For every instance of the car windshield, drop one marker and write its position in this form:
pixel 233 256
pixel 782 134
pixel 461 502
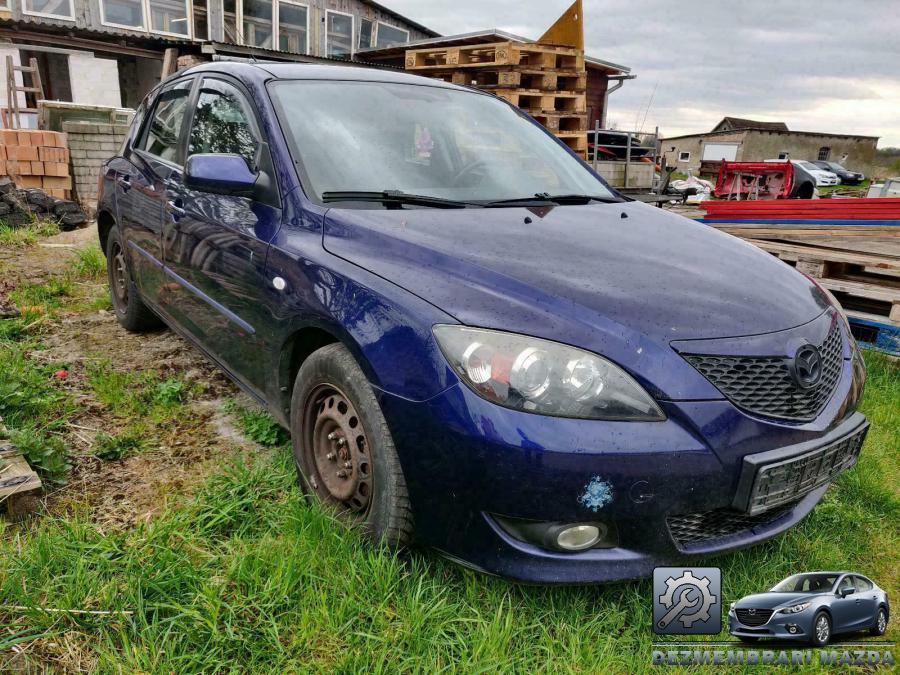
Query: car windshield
pixel 351 136
pixel 811 166
pixel 819 582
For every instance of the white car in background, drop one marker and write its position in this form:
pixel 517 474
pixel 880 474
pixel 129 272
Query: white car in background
pixel 823 178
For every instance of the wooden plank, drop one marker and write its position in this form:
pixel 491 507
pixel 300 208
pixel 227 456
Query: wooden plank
pixel 863 289
pixel 19 484
pixel 800 252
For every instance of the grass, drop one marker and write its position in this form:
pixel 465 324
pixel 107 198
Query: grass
pixel 825 189
pixel 27 234
pixel 247 577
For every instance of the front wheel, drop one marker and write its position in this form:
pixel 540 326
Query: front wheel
pixel 880 622
pixel 821 632
pixel 343 449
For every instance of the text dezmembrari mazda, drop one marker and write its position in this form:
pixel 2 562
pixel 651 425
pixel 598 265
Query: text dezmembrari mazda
pixel 475 342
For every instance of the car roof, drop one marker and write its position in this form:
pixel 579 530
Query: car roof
pixel 315 71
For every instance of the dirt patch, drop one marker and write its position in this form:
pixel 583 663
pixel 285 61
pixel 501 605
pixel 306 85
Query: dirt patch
pixel 169 466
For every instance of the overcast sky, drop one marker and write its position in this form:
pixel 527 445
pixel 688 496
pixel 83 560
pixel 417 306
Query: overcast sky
pixel 831 65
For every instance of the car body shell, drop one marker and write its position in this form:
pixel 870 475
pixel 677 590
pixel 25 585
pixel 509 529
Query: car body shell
pixel 608 278
pixel 854 612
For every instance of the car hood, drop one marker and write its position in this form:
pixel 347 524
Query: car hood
pixel 624 267
pixel 774 600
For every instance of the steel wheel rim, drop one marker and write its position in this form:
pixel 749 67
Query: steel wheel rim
pixel 822 629
pixel 882 621
pixel 119 276
pixel 337 452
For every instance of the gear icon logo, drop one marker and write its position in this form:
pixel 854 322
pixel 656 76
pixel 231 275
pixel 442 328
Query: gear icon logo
pixel 687 601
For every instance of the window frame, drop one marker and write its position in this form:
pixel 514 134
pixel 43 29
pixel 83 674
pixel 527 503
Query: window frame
pixel 45 15
pixel 827 151
pixel 383 23
pixel 352 32
pixel 272 195
pixel 681 155
pixel 194 35
pixel 276 23
pixel 372 23
pixel 139 142
pixel 112 24
pixel 147 20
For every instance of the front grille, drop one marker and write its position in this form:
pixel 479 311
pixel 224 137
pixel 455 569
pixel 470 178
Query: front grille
pixel 757 618
pixel 695 528
pixel 763 385
pixel 781 482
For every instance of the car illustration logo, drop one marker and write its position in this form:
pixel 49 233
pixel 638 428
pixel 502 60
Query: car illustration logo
pixel 751 611
pixel 807 366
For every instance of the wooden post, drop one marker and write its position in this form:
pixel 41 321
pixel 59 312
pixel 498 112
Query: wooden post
pixel 170 62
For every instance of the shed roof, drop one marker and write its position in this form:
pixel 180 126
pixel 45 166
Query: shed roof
pixel 477 37
pixel 736 123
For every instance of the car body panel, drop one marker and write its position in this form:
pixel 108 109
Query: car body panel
pixel 254 283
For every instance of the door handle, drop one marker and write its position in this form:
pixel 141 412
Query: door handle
pixel 175 207
pixel 124 182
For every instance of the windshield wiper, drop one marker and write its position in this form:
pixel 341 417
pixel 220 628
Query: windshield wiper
pixel 544 197
pixel 394 198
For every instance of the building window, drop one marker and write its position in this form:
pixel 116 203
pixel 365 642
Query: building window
pixel 684 156
pixel 201 20
pixel 124 13
pixel 229 11
pixel 338 34
pixel 293 27
pixel 823 154
pixel 784 155
pixel 365 33
pixel 257 26
pixel 56 9
pixel 388 36
pixel 169 17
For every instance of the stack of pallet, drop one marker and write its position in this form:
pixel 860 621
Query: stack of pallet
pixel 546 81
pixel 36 159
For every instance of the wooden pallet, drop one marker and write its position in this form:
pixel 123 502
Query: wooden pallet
pixel 576 142
pixel 544 57
pixel 562 123
pixel 533 100
pixel 20 486
pixel 513 77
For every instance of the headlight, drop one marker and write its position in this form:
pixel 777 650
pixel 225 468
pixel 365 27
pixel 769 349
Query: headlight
pixel 795 608
pixel 543 377
pixel 732 607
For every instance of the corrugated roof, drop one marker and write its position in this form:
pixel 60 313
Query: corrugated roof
pixel 737 123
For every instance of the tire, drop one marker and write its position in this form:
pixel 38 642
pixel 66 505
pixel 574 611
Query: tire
pixel 819 638
pixel 343 450
pixel 881 619
pixel 130 310
pixel 749 640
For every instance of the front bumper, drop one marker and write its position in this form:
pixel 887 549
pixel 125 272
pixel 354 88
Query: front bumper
pixel 779 626
pixel 465 459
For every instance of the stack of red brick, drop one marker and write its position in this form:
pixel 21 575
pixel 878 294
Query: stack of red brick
pixel 36 159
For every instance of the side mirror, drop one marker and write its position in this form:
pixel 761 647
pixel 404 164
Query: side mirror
pixel 847 590
pixel 220 174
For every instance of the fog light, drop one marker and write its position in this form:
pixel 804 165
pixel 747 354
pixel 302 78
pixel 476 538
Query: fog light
pixel 578 537
pixel 792 629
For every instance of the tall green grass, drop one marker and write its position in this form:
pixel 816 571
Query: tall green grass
pixel 247 577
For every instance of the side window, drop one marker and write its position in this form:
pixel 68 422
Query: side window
pixel 222 123
pixel 163 133
pixel 863 584
pixel 846 582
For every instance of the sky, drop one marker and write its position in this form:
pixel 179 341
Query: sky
pixel 829 66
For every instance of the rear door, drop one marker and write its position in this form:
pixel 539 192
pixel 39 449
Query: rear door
pixel 215 245
pixel 151 163
pixel 867 601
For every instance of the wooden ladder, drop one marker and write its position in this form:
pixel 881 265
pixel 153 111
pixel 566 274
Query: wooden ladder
pixel 13 111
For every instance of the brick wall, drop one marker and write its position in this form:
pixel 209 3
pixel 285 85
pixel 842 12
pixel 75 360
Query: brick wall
pixel 90 145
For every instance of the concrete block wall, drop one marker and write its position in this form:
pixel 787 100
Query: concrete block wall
pixel 90 145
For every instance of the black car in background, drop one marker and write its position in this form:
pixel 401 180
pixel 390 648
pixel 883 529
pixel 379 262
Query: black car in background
pixel 847 177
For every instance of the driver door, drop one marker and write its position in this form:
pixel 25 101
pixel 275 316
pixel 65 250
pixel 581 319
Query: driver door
pixel 844 610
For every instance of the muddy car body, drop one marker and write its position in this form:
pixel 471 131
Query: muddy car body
pixel 494 355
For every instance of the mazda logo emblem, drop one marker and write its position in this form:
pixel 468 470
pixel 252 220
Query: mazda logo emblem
pixel 807 366
pixel 751 611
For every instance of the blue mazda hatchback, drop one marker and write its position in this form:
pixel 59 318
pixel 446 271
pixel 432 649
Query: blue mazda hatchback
pixel 476 343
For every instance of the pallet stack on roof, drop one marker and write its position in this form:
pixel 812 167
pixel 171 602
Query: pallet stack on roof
pixel 547 81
